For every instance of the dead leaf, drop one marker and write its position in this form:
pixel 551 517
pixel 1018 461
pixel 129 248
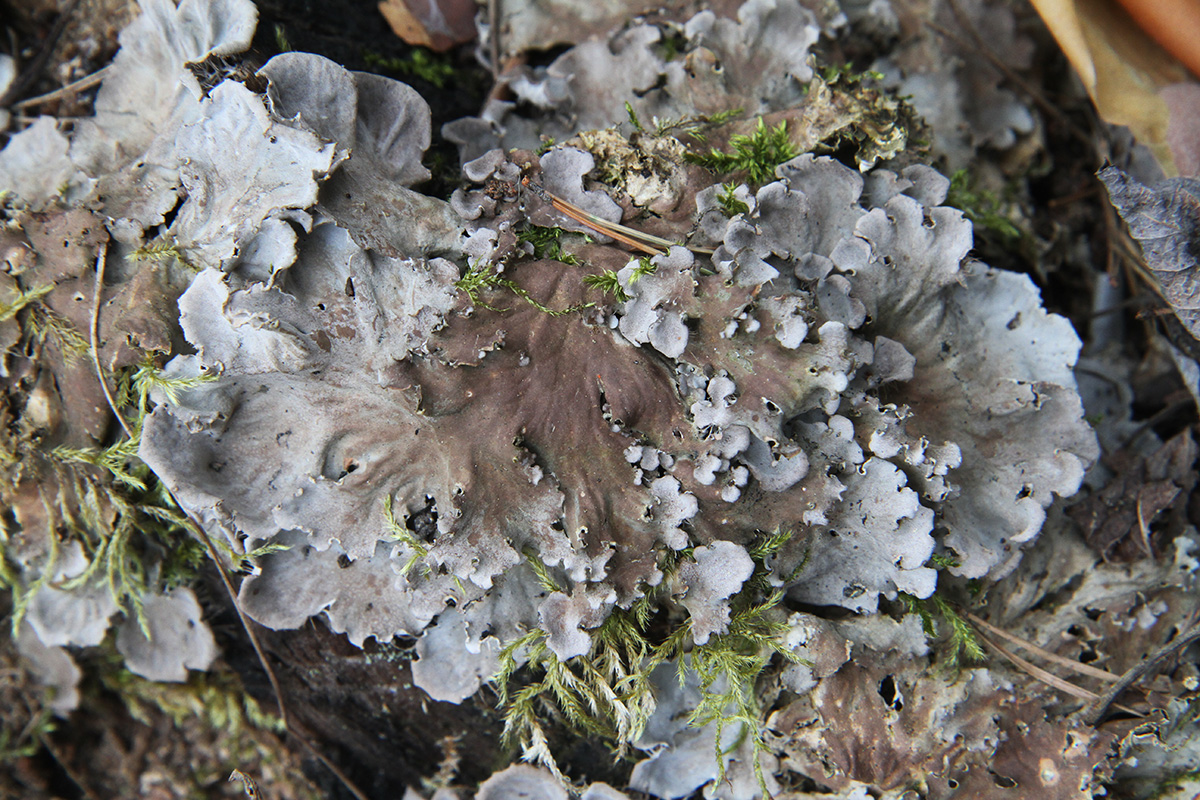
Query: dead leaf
pixel 1123 69
pixel 1143 487
pixel 1165 219
pixel 436 24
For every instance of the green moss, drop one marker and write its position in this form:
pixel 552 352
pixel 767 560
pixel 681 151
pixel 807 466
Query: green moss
pixel 422 63
pixel 26 720
pixel 609 283
pixel 166 249
pixel 756 155
pixel 123 523
pixel 398 531
pixel 941 621
pixel 983 208
pixel 608 692
pixel 217 698
pixel 482 276
pixel 547 243
pixel 729 201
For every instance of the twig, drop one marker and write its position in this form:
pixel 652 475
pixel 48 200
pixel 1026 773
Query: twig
pixel 1082 669
pixel 81 85
pixel 1099 707
pixel 94 335
pixel 1144 530
pixel 494 44
pixel 646 242
pixel 262 656
pixel 62 762
pixel 1048 678
pixel 38 62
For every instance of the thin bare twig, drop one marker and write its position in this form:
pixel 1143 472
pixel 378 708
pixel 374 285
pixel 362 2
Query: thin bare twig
pixel 1048 678
pixel 1036 672
pixel 639 240
pixel 1082 669
pixel 94 336
pixel 1099 707
pixel 494 44
pixel 81 85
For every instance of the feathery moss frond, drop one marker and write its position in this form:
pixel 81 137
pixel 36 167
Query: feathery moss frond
pixel 542 572
pixel 547 243
pixel 609 283
pixel 10 309
pixel 757 154
pixel 116 519
pixel 401 533
pixel 608 692
pixel 962 645
pixel 729 202
pixel 645 267
pixel 481 276
pixel 159 252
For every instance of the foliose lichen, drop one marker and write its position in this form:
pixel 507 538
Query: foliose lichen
pixel 453 437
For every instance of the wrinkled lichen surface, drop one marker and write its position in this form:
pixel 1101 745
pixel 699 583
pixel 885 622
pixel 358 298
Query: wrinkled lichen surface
pixel 443 432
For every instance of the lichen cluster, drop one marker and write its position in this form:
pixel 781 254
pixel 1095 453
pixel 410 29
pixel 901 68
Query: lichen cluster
pixel 519 446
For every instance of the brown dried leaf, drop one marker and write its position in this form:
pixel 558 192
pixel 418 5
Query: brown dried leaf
pixel 1141 489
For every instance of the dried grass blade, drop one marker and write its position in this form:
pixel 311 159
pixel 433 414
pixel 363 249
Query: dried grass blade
pixel 1082 669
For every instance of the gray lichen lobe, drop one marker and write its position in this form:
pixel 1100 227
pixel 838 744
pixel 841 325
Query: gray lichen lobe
pixel 837 368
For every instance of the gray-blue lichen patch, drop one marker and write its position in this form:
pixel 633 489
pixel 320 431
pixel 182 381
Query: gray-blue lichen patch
pixel 440 431
pixel 759 62
pixel 503 421
pixel 175 638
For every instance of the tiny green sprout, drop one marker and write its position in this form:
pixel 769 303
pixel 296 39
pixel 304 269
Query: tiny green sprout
pixel 944 561
pixel 645 267
pixel 757 154
pixel 547 243
pixel 401 533
pixel 633 117
pixel 730 202
pixel 282 44
pixel 609 283
pixel 672 44
pixel 541 571
pixel 158 252
pixel 547 143
pixel 963 646
pixel 694 126
pixel 982 207
pixel 243 561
